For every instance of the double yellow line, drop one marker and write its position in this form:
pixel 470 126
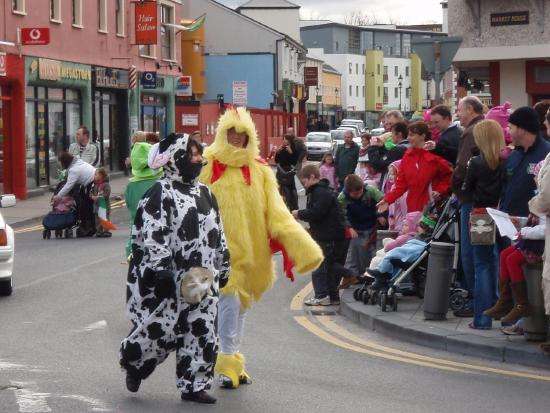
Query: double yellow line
pixel 114 205
pixel 327 330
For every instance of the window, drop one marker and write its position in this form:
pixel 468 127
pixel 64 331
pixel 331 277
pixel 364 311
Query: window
pixel 378 91
pixel 350 90
pixel 77 13
pixel 119 17
pixel 350 68
pixel 102 15
pixel 55 11
pixel 357 91
pixel 363 91
pixel 396 71
pixel 396 92
pixel 378 69
pixel 363 70
pixel 386 70
pixel 18 6
pixel 356 68
pixel 385 100
pixel 407 71
pixel 408 92
pixel 167 33
pixel 336 46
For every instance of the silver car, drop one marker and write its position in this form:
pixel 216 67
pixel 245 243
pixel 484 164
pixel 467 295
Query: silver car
pixel 318 144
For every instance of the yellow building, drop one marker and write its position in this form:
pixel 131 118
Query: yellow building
pixel 374 80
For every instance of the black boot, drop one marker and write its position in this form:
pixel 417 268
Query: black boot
pixel 199 397
pixel 132 383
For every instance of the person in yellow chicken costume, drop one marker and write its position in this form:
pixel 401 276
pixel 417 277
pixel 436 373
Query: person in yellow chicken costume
pixel 255 219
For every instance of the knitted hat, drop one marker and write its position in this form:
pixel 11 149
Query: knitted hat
pixel 412 219
pixel 526 118
pixel 140 168
pixel 501 115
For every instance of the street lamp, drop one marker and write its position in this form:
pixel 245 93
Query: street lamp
pixel 428 81
pixel 336 106
pixel 400 84
pixel 317 101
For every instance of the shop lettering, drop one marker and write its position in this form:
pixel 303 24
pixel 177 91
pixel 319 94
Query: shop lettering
pixel 146 23
pixel 55 70
pixel 76 73
pixel 510 19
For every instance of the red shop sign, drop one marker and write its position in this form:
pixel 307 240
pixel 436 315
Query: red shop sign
pixel 146 22
pixel 35 35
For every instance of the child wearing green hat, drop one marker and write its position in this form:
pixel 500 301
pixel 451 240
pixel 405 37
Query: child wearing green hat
pixel 143 178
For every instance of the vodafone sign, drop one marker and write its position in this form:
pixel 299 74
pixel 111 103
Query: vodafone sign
pixel 35 35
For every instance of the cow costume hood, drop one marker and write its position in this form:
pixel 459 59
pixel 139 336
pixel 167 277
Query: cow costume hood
pixel 174 155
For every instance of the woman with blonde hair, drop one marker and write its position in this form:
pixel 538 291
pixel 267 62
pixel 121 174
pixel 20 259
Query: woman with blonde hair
pixel 484 179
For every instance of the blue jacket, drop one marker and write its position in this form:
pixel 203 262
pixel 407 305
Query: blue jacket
pixel 519 183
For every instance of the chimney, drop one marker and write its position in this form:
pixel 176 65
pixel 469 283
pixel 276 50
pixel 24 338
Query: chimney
pixel 445 23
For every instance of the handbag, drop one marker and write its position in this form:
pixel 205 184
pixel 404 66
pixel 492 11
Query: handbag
pixel 482 227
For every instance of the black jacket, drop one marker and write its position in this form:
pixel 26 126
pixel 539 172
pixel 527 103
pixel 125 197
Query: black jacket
pixel 447 146
pixel 380 158
pixel 483 183
pixel 323 213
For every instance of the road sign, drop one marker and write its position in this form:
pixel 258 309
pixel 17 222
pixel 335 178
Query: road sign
pixel 240 92
pixel 3 64
pixel 149 80
pixel 184 86
pixel 35 36
pixel 430 49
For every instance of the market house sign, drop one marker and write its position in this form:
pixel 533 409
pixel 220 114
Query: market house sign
pixel 56 70
pixel 510 19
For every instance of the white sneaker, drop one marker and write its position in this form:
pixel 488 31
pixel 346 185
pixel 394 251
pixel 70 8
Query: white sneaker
pixel 318 301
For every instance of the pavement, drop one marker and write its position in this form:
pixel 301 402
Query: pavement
pixel 452 335
pixel 407 323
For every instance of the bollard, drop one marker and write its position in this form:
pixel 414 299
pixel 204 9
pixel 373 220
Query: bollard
pixel 438 281
pixel 536 325
pixel 381 234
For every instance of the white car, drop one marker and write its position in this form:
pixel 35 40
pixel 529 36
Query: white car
pixel 377 131
pixel 355 122
pixel 318 144
pixel 7 248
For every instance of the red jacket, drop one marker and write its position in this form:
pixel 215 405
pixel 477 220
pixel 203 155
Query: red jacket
pixel 420 168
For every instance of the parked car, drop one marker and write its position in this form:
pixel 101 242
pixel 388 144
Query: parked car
pixel 318 144
pixel 7 248
pixel 377 131
pixel 355 122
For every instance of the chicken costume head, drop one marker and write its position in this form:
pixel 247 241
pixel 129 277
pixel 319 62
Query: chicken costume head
pixel 253 213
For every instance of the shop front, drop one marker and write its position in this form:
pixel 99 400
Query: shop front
pixel 12 133
pixel 110 116
pixel 57 103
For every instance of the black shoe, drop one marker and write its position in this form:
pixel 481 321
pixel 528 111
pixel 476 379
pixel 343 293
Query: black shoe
pixel 199 397
pixel 464 312
pixel 132 383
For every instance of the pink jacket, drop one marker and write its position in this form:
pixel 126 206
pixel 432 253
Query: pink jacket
pixel 329 172
pixel 400 240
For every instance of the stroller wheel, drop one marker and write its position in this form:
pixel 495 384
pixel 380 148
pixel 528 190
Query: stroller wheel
pixel 457 301
pixel 374 298
pixel 365 297
pixel 357 294
pixel 68 233
pixel 383 301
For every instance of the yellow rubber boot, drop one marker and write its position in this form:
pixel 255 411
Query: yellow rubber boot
pixel 244 377
pixel 228 367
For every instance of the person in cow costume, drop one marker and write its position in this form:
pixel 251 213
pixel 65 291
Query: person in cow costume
pixel 257 224
pixel 177 234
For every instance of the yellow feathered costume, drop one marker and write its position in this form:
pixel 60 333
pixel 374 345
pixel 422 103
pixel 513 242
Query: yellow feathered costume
pixel 252 212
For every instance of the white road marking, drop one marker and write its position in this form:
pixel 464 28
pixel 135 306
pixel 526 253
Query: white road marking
pixel 98 325
pixel 6 365
pixel 97 405
pixel 28 398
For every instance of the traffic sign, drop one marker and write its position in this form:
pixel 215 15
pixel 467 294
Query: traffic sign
pixel 149 80
pixel 429 50
pixel 240 92
pixel 35 36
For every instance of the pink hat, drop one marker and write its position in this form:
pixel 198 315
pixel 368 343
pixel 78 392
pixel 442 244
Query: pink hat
pixel 412 219
pixel 501 115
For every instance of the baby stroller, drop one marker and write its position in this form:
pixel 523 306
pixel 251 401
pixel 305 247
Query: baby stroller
pixel 410 277
pixel 63 216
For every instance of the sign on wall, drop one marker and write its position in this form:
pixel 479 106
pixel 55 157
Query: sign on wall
pixel 311 76
pixel 510 19
pixel 190 119
pixel 184 86
pixel 240 92
pixel 35 36
pixel 149 80
pixel 146 22
pixel 110 78
pixel 49 69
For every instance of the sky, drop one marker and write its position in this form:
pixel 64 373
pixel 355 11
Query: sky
pixel 396 11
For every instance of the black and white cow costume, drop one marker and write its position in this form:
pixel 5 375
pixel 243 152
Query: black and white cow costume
pixel 177 227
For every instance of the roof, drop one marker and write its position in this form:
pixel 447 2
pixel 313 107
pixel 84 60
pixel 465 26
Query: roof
pixel 268 4
pixel 329 69
pixel 304 25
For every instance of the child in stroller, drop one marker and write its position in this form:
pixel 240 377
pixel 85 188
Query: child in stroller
pixel 62 218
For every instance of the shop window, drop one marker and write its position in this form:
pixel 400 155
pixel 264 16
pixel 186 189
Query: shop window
pixel 55 11
pixel 166 33
pixel 77 13
pixel 102 16
pixel 18 6
pixel 30 148
pixel 119 17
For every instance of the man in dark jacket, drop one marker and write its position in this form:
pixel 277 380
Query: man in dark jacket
pixel 289 159
pixel 530 149
pixel 447 146
pixel 346 158
pixel 470 112
pixel 327 226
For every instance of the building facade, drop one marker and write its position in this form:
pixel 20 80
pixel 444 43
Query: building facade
pixel 504 52
pixel 82 77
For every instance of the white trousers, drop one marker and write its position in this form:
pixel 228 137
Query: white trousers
pixel 230 323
